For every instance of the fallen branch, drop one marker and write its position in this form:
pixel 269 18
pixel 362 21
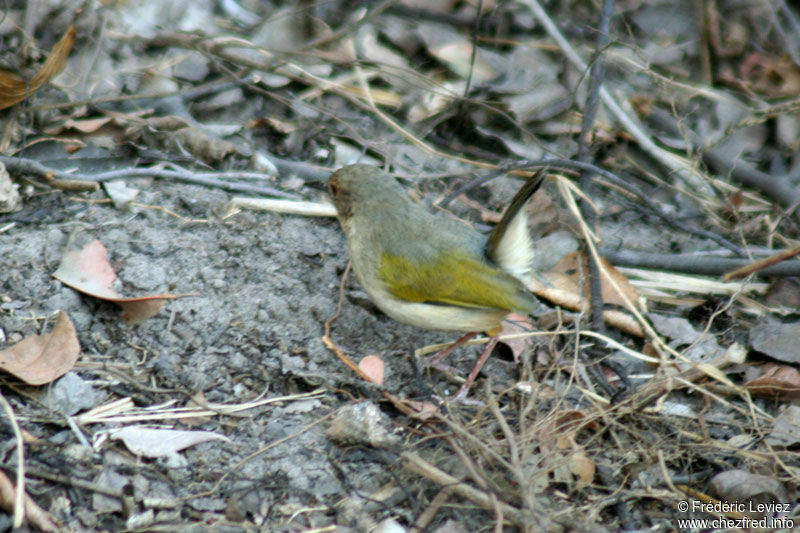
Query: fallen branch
pixel 208 179
pixel 694 264
pixel 762 264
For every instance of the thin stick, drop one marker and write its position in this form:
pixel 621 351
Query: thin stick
pixel 761 264
pixel 694 264
pixel 326 337
pixel 19 499
pixel 290 207
pixel 209 179
pixel 587 125
pixel 427 516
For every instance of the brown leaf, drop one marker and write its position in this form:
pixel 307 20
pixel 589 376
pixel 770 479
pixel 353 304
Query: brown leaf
pixel 775 76
pixel 13 89
pixel 582 466
pixel 86 125
pixel 89 272
pixel 513 324
pixel 206 148
pixel 570 289
pixel 42 359
pixel 571 273
pixel 776 380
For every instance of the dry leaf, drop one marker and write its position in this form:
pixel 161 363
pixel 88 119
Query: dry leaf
pixel 84 125
pixel 14 89
pixel 569 276
pixel 44 358
pixel 171 130
pixel 152 442
pixel 582 466
pixel 744 486
pixel 372 366
pixel 571 273
pixel 516 323
pixel 774 76
pixel 775 380
pixel 786 430
pixel 420 410
pixel 777 340
pixel 89 272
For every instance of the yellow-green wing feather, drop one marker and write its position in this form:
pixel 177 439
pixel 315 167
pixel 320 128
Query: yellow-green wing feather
pixel 455 280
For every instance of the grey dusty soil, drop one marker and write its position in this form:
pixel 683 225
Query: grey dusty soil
pixel 585 433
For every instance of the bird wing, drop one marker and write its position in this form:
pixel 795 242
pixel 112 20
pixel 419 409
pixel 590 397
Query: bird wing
pixel 453 279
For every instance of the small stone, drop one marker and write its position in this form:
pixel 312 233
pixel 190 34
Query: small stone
pixel 361 423
pixel 71 394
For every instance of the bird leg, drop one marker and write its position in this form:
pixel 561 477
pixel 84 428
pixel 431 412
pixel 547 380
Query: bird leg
pixel 461 395
pixel 436 362
pixel 436 359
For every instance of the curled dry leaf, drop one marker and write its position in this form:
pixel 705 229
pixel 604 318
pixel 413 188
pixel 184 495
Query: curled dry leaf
pixel 14 89
pixel 569 288
pixel 44 358
pixel 88 271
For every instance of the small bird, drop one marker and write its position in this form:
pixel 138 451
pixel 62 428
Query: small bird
pixel 432 272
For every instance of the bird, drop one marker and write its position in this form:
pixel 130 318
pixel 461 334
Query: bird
pixel 432 272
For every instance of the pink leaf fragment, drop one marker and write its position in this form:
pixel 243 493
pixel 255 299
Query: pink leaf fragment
pixel 88 271
pixel 372 366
